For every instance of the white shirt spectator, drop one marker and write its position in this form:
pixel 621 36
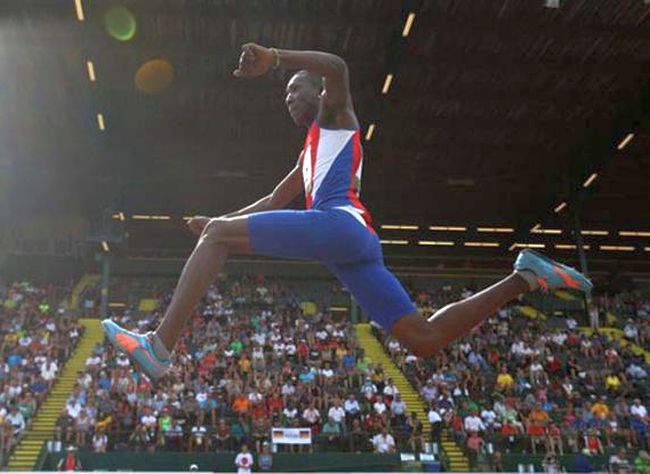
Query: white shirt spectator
pixel 489 417
pixel 636 371
pixel 474 423
pixel 100 441
pixel 337 414
pixel 291 349
pixel 73 408
pixel 49 370
pixel 429 392
pixel 93 361
pixel 383 443
pixel 536 367
pixel 398 407
pixel 559 338
pixel 278 348
pixel 638 410
pixel 288 389
pixel 351 406
pixel 571 324
pixel 434 416
pixel 290 413
pixel 244 462
pixel 327 372
pixel 322 335
pixel 122 361
pixel 149 421
pixel 379 407
pixel 630 330
pixel 17 421
pixel 390 390
pixel 369 390
pixel 393 346
pixel 312 415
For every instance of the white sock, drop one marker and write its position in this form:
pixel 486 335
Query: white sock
pixel 530 278
pixel 158 347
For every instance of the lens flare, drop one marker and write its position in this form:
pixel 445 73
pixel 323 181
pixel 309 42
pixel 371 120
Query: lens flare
pixel 120 23
pixel 154 76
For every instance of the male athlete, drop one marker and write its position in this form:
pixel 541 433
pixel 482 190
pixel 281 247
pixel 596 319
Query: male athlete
pixel 335 228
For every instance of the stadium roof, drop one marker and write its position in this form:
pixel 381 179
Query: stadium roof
pixel 498 111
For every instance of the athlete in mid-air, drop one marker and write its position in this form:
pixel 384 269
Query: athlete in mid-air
pixel 335 228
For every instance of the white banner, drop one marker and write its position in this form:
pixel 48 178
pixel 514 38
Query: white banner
pixel 291 435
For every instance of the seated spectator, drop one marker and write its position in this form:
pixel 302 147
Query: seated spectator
pixel 331 432
pixel 141 439
pixel 618 462
pixel 221 437
pixel 383 442
pixel 198 437
pixel 100 441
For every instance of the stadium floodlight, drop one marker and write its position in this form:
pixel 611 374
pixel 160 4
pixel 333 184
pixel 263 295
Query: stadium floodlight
pixel 628 138
pixel 79 9
pixel 560 207
pixel 399 227
pixel 91 71
pixel 100 122
pixel 436 243
pixel 590 180
pixel 387 82
pixel 481 244
pixel 617 248
pixel 408 24
pixel 370 131
pixel 552 3
pixel 394 242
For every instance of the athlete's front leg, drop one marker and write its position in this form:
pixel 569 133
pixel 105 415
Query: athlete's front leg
pixel 219 238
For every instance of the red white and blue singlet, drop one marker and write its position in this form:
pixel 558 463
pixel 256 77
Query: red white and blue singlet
pixel 332 161
pixel 335 229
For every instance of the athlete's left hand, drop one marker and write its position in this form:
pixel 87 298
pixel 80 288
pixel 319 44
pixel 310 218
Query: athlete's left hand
pixel 254 61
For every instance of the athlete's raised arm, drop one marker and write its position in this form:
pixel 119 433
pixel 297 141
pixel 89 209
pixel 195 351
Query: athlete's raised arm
pixel 336 108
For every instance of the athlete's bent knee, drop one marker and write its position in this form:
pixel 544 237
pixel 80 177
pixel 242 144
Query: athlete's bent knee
pixel 422 347
pixel 215 231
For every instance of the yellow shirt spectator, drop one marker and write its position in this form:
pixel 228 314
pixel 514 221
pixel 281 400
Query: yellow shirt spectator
pixel 612 382
pixel 504 381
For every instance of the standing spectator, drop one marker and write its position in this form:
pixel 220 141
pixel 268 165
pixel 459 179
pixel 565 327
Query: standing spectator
pixel 265 458
pixel 69 462
pixel 244 460
pixel 436 422
pixel 618 462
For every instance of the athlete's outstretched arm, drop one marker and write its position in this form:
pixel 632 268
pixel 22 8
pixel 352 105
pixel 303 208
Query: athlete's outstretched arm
pixel 256 60
pixel 285 192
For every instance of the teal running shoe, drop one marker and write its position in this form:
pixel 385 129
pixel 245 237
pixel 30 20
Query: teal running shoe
pixel 550 274
pixel 138 347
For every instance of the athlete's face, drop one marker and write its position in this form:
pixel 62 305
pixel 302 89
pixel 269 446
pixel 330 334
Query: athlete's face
pixel 302 100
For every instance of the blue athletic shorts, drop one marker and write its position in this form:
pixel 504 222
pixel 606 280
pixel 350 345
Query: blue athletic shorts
pixel 350 250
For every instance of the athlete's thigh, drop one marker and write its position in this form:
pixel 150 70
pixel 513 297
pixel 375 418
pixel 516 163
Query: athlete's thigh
pixel 379 293
pixel 291 234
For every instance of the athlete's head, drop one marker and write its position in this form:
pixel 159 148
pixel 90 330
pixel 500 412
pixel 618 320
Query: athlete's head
pixel 303 97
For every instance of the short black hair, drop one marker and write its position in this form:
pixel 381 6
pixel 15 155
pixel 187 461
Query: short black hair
pixel 314 79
